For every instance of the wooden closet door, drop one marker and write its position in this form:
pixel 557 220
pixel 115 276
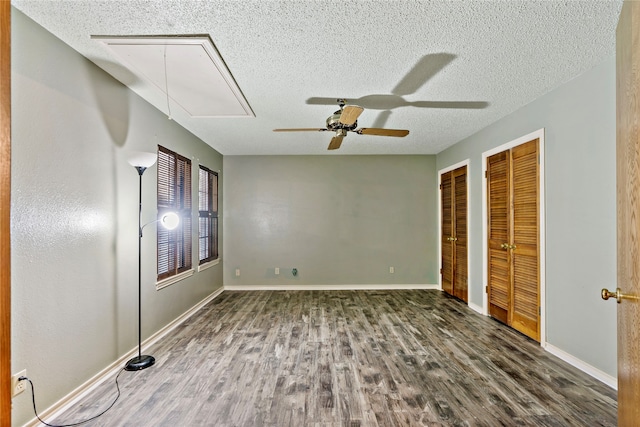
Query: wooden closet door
pixel 513 238
pixel 453 239
pixel 499 233
pixel 525 316
pixel 460 233
pixel 5 213
pixel 628 221
pixel 446 227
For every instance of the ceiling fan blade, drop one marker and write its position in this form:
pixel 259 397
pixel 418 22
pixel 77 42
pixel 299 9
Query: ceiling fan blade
pixel 383 132
pixel 301 130
pixel 350 114
pixel 335 143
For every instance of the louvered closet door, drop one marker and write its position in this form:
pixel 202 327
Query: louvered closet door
pixel 453 239
pixel 499 272
pixel 446 185
pixel 513 238
pixel 526 280
pixel 460 233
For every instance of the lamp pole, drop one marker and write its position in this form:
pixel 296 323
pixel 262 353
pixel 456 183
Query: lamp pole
pixel 140 361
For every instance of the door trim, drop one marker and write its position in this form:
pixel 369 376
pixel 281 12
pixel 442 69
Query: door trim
pixel 538 134
pixel 469 275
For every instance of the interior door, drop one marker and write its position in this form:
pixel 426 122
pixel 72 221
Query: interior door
pixel 628 209
pixel 513 237
pixel 453 238
pixel 5 197
pixel 499 233
pixel 525 313
pixel 446 231
pixel 459 178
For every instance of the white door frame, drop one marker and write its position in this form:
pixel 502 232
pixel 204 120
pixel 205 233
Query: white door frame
pixel 539 134
pixel 469 275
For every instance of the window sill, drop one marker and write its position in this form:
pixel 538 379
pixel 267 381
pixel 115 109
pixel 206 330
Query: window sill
pixel 173 279
pixel 209 264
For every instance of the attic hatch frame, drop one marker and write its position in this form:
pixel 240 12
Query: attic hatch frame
pixel 187 69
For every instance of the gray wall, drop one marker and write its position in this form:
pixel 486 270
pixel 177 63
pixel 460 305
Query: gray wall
pixel 337 219
pixel 74 217
pixel 579 120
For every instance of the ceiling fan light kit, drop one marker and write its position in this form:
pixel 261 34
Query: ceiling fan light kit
pixel 346 120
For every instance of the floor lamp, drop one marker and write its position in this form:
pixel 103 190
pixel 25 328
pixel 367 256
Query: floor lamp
pixel 142 161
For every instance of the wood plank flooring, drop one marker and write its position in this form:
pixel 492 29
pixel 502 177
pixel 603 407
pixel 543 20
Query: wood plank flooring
pixel 349 359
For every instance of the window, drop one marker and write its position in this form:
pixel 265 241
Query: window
pixel 174 194
pixel 208 215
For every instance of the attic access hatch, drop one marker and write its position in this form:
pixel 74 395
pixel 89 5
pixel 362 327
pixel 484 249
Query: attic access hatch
pixel 186 69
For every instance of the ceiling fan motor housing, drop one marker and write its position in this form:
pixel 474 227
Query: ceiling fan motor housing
pixel 333 122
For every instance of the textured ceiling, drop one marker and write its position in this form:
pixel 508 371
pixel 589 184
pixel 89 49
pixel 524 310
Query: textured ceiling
pixel 405 61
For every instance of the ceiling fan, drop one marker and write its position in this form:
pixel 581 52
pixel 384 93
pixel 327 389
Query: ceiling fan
pixel 346 120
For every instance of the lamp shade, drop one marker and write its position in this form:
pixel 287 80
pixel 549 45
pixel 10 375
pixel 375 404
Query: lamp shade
pixel 170 220
pixel 142 159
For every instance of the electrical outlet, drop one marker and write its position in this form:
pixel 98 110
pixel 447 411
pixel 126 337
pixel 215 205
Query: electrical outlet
pixel 392 270
pixel 237 272
pixel 18 387
pixel 277 270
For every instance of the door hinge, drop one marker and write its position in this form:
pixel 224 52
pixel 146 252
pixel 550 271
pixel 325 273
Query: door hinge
pixel 440 271
pixel 441 186
pixel 486 174
pixel 486 289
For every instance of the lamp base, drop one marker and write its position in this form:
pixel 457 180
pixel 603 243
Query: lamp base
pixel 139 362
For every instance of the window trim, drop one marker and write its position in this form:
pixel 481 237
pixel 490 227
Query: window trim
pixel 211 214
pixel 209 264
pixel 168 281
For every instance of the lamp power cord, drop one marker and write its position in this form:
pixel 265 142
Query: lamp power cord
pixel 35 411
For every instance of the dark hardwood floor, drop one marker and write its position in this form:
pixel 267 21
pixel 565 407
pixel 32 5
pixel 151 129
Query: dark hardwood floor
pixel 348 358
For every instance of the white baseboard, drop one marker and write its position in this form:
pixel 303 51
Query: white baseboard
pixel 326 287
pixel 110 371
pixel 583 366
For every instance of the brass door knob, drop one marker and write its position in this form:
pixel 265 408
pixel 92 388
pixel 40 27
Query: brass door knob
pixel 504 246
pixel 618 295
